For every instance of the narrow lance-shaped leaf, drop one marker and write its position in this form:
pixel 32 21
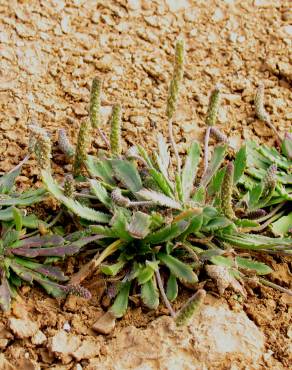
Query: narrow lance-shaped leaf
pixel 190 170
pixel 239 164
pixel 17 216
pixel 127 173
pixel 113 270
pixel 164 158
pixel 215 162
pixel 73 205
pixel 119 308
pixel 158 198
pixel 259 267
pixel 101 193
pixel 178 268
pixel 171 288
pixel 101 169
pixel 166 233
pixel 150 294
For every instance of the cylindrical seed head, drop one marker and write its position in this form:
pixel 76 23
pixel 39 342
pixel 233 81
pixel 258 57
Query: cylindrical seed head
pixel 226 192
pixel 41 142
pixel 269 182
pixel 95 97
pixel 261 113
pixel 83 143
pixel 116 135
pixel 213 107
pixel 69 186
pixel 176 79
pixel 192 306
pixel 78 290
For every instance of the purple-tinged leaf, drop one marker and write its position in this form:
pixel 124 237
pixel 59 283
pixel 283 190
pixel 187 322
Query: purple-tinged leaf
pixel 41 241
pixel 51 272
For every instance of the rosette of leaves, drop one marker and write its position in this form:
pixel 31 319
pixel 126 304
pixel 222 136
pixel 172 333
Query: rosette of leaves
pixel 152 220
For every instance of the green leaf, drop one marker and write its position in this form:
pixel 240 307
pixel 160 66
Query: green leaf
pixel 189 171
pixel 119 224
pixel 215 162
pixel 119 308
pixel 199 195
pixel 114 269
pixel 217 223
pixel 166 233
pixel 194 226
pixel 161 181
pixel 171 288
pixel 150 294
pixel 101 169
pixel 246 223
pixel 145 274
pixel 248 264
pixel 7 181
pixel 216 182
pixel 145 156
pixel 6 214
pixel 164 158
pixel 17 216
pixel 71 204
pixel 221 261
pixel 126 172
pixel 139 226
pixel 101 193
pixel 282 226
pixel 178 268
pixel 239 164
pixel 158 198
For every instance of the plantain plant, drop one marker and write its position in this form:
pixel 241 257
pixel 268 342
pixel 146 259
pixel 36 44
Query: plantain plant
pixel 158 227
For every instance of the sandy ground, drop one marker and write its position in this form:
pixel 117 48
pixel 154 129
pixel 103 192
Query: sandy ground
pixel 50 51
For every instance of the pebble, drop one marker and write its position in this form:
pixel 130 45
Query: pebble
pixel 218 15
pixel 39 338
pixel 66 24
pixel 23 328
pixel 105 324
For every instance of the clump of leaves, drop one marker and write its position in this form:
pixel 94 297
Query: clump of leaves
pixel 159 228
pixel 27 256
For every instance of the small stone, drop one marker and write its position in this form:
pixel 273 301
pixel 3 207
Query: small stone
pixel 66 24
pixel 89 348
pixel 233 36
pixel 287 29
pixel 105 324
pixel 191 15
pixel 38 338
pixel 241 39
pixel 23 328
pixel 175 5
pixel 95 17
pixel 138 120
pixel 134 4
pixel 287 16
pixel 218 15
pixel 64 343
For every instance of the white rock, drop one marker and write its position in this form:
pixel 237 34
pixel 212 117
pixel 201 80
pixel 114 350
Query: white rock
pixel 23 328
pixel 176 5
pixel 218 15
pixel 38 338
pixel 134 4
pixel 288 29
pixel 66 24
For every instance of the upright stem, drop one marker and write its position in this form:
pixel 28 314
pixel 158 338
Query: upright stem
pixel 104 138
pixel 206 149
pixel 174 146
pixel 163 295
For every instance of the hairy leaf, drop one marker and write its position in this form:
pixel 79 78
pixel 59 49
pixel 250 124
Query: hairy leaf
pixel 171 288
pixel 166 233
pixel 239 164
pixel 283 225
pixel 126 172
pixel 101 193
pixel 139 226
pixel 101 169
pixel 114 269
pixel 189 171
pixel 150 294
pixel 215 162
pixel 163 183
pixel 178 268
pixel 158 198
pixel 119 308
pixel 259 267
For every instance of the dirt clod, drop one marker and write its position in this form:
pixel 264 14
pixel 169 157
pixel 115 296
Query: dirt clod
pixel 105 324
